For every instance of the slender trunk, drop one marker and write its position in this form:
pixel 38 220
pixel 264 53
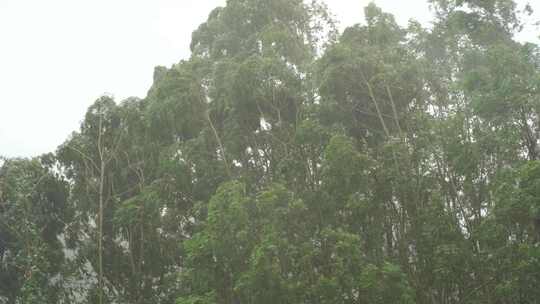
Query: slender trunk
pixel 100 212
pixel 100 240
pixel 216 134
pixel 379 112
pixel 218 139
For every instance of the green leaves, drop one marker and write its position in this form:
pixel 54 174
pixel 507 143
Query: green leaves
pixel 33 215
pixel 386 284
pixel 281 164
pixel 345 170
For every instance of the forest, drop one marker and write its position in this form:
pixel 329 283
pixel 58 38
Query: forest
pixel 288 162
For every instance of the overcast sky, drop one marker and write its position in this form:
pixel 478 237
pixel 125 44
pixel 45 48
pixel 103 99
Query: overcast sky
pixel 58 56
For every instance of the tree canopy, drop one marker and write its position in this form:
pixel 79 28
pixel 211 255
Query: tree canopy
pixel 285 162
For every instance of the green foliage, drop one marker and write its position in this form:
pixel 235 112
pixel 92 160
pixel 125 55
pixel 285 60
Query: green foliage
pixel 283 164
pixel 33 213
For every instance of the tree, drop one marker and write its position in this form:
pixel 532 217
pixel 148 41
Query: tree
pixel 282 163
pixel 33 214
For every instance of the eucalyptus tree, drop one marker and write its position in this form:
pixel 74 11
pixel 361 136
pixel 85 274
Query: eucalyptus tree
pixel 89 158
pixel 284 163
pixel 33 215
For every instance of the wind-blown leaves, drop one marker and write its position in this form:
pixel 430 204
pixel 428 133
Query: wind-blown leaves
pixel 281 163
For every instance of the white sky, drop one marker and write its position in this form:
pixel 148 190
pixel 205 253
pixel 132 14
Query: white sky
pixel 58 56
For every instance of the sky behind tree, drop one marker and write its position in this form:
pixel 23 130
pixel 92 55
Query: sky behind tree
pixel 58 56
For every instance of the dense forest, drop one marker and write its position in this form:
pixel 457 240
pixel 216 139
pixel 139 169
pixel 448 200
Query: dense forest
pixel 286 162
